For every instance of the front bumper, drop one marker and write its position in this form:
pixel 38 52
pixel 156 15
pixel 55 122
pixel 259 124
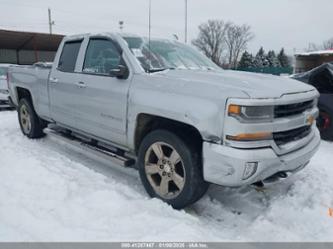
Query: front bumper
pixel 224 165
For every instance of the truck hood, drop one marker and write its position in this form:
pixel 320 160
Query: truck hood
pixel 252 84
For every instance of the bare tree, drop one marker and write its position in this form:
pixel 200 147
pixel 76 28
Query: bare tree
pixel 328 44
pixel 211 40
pixel 237 39
pixel 314 47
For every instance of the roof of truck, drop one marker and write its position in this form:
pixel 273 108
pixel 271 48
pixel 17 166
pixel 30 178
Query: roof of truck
pixel 78 36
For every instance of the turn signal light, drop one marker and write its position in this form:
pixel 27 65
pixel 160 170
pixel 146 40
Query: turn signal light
pixel 234 110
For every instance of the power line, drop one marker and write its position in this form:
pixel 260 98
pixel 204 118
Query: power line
pixel 59 11
pixel 77 22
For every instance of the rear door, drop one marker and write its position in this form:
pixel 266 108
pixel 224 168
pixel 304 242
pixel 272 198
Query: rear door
pixel 102 99
pixel 63 84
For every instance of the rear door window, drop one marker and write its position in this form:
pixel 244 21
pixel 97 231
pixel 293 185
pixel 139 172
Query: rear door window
pixel 69 56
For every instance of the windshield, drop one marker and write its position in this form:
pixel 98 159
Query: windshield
pixel 165 54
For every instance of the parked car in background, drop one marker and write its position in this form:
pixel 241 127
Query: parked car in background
pixel 4 93
pixel 162 107
pixel 322 79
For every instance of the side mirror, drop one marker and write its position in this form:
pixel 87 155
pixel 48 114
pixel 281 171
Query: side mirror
pixel 121 72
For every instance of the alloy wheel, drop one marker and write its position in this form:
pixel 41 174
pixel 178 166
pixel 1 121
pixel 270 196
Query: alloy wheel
pixel 165 170
pixel 25 119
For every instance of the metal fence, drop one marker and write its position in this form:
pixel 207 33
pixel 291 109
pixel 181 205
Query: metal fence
pixel 268 70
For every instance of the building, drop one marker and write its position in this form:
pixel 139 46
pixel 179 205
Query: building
pixel 27 47
pixel 307 61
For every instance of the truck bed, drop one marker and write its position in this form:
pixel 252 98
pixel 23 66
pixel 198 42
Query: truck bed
pixel 34 78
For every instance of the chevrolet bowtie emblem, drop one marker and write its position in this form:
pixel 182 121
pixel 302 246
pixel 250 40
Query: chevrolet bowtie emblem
pixel 310 120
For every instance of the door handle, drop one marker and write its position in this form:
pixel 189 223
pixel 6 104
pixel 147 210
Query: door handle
pixel 54 80
pixel 81 84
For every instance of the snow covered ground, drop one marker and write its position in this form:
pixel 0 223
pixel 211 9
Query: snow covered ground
pixel 50 193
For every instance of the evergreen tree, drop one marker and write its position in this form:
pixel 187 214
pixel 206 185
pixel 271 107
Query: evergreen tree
pixel 283 59
pixel 258 60
pixel 246 60
pixel 261 59
pixel 272 59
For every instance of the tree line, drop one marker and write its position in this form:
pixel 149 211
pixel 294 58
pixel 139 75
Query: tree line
pixel 225 43
pixel 262 60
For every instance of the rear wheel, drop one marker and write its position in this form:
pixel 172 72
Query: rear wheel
pixel 31 125
pixel 171 169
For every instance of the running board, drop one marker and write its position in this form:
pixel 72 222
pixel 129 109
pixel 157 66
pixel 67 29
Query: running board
pixel 90 150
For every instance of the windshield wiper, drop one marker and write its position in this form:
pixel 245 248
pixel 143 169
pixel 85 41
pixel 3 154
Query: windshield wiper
pixel 155 70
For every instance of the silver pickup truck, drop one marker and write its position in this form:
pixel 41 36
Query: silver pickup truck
pixel 165 109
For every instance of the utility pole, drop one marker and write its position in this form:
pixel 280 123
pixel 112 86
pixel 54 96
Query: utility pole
pixel 51 23
pixel 149 22
pixel 149 33
pixel 185 21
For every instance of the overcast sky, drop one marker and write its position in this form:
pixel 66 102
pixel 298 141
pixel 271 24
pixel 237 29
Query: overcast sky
pixel 276 23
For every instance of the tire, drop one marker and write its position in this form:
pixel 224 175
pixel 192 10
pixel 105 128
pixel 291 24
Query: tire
pixel 171 169
pixel 31 125
pixel 325 124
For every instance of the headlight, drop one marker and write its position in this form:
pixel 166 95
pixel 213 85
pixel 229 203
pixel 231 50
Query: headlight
pixel 251 113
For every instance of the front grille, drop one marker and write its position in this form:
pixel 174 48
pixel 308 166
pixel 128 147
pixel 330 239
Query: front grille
pixel 281 111
pixel 284 137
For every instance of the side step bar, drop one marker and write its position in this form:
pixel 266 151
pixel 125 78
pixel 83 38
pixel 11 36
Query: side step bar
pixel 90 149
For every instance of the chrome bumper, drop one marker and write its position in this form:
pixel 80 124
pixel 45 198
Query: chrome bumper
pixel 224 165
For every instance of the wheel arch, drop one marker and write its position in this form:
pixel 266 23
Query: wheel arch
pixel 145 123
pixel 23 93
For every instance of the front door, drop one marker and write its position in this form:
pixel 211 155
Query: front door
pixel 102 106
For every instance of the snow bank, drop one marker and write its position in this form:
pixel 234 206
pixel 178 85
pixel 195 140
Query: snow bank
pixel 50 193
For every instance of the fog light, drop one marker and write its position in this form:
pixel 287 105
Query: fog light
pixel 250 170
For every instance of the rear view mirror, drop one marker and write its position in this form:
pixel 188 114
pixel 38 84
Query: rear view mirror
pixel 121 72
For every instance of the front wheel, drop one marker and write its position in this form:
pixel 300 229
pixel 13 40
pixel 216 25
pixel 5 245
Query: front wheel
pixel 170 169
pixel 31 125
